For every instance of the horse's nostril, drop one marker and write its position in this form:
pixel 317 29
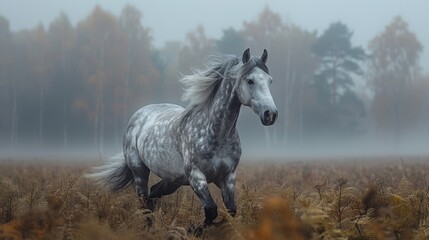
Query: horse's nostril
pixel 267 114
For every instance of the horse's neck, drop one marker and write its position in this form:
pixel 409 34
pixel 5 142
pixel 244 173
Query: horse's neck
pixel 225 110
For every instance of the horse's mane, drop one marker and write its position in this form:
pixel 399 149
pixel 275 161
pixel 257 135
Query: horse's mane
pixel 202 85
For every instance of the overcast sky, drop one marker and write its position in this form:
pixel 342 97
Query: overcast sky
pixel 173 19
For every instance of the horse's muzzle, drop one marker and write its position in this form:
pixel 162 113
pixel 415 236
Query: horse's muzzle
pixel 269 117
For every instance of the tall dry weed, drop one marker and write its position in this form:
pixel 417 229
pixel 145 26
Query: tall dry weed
pixel 358 199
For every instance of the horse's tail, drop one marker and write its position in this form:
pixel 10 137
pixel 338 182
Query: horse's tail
pixel 114 175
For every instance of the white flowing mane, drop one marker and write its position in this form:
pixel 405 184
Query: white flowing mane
pixel 201 86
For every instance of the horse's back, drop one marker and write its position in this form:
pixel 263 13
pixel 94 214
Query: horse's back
pixel 153 111
pixel 152 131
pixel 149 116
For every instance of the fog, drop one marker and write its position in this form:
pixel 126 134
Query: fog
pixel 171 21
pixel 350 78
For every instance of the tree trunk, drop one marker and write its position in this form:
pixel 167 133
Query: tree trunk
pixel 101 117
pixel 127 81
pixel 115 120
pixel 14 118
pixel 64 76
pixel 42 93
pixel 286 99
pixel 42 99
pixel 97 115
pixel 300 112
pixel 101 141
pixel 334 83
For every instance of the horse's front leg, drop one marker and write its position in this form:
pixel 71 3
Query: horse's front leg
pixel 227 187
pixel 198 182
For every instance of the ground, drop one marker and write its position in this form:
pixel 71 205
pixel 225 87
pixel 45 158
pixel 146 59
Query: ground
pixel 350 198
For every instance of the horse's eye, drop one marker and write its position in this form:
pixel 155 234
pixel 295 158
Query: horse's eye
pixel 250 81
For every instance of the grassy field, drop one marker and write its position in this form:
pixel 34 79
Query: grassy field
pixel 383 198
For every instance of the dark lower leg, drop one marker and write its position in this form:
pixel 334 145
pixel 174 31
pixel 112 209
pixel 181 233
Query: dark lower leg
pixel 228 199
pixel 162 188
pixel 210 214
pixel 141 178
pixel 142 192
pixel 227 187
pixel 198 183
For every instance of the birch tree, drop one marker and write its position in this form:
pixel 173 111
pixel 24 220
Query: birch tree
pixel 394 67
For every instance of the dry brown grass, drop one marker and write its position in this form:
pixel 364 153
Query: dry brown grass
pixel 349 199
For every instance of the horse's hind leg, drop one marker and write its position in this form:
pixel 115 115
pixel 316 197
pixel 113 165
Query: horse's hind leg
pixel 141 178
pixel 163 188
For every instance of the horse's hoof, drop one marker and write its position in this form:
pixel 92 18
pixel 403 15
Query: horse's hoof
pixel 196 230
pixel 146 211
pixel 220 223
pixel 148 204
pixel 144 219
pixel 151 203
pixel 176 233
pixel 232 212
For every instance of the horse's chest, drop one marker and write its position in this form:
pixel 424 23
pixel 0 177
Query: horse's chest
pixel 213 157
pixel 212 150
pixel 223 161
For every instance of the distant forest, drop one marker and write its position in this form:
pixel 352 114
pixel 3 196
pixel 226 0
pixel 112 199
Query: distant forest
pixel 77 86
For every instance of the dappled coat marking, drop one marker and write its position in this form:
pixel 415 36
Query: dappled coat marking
pixel 196 145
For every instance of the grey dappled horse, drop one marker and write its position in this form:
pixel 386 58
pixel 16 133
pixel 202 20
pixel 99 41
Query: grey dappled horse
pixel 198 144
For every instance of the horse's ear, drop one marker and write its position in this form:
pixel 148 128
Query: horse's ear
pixel 246 56
pixel 264 56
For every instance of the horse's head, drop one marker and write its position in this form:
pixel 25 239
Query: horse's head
pixel 253 87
